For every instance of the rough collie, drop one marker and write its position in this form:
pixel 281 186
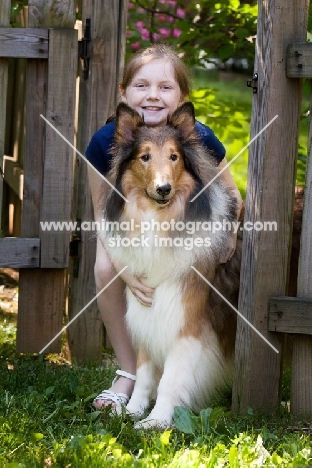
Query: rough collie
pixel 185 341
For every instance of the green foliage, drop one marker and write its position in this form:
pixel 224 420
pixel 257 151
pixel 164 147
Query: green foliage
pixel 222 30
pixel 16 7
pixel 209 421
pixel 225 103
pixel 227 110
pixel 208 29
pixel 46 419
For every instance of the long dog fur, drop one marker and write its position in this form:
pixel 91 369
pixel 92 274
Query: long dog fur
pixel 185 341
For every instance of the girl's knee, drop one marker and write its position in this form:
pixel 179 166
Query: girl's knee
pixel 103 272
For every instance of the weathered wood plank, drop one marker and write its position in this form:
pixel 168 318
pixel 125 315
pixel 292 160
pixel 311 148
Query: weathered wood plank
pixel 34 316
pixel 5 6
pixel 41 292
pixel 290 315
pixel 97 99
pixel 51 13
pixel 4 21
pixel 299 60
pixel 34 145
pixel 19 253
pixel 44 295
pixel 58 163
pixel 270 192
pixel 24 43
pixel 301 389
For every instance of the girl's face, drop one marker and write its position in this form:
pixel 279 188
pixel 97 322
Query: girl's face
pixel 154 92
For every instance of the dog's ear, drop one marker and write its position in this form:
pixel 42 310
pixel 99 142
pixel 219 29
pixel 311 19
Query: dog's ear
pixel 114 206
pixel 127 121
pixel 184 119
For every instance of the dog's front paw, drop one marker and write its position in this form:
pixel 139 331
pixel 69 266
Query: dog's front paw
pixel 150 423
pixel 135 410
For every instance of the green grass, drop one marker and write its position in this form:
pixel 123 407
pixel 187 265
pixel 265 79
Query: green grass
pixel 225 103
pixel 46 419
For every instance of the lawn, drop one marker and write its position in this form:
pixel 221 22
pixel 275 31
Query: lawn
pixel 223 101
pixel 47 420
pixel 46 415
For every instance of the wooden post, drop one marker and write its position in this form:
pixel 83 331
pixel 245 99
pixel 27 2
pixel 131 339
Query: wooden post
pixel 42 291
pixel 271 176
pixel 97 100
pixel 4 21
pixel 301 386
pixel 58 161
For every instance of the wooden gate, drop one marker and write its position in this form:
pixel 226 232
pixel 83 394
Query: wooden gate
pixel 280 64
pixel 56 183
pixel 50 46
pixel 98 95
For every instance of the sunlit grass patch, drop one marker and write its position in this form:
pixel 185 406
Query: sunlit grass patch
pixel 225 104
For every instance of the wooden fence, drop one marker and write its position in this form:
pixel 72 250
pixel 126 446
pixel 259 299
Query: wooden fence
pixel 270 196
pixel 56 188
pixel 50 91
pixel 55 179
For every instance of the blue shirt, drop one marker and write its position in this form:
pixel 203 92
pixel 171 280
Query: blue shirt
pixel 99 155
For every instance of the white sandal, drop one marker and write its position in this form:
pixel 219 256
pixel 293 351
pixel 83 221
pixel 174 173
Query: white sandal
pixel 119 400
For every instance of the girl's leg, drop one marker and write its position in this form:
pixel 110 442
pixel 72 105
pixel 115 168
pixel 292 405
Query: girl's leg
pixel 112 305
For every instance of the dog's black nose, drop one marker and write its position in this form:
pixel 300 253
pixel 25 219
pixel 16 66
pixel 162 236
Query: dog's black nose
pixel 164 190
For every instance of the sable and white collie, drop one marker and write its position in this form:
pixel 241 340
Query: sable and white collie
pixel 185 341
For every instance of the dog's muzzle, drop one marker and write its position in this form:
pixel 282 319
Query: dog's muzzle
pixel 163 190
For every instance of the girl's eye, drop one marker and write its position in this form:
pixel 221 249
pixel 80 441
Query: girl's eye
pixel 140 85
pixel 173 157
pixel 146 157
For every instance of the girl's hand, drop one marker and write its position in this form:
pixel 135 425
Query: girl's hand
pixel 143 293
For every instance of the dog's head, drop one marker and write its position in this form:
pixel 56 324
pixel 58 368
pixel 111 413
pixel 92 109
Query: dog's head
pixel 157 165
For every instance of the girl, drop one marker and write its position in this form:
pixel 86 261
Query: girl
pixel 155 82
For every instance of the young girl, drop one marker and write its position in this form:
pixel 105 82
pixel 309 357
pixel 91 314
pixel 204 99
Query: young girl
pixel 155 82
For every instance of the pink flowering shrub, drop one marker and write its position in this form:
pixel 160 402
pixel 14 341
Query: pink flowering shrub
pixel 154 22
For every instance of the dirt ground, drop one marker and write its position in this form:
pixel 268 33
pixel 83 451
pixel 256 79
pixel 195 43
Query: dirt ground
pixel 8 290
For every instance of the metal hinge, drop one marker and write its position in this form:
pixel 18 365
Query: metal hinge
pixel 84 49
pixel 253 83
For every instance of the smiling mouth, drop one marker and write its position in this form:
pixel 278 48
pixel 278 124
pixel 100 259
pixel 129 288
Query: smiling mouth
pixel 152 108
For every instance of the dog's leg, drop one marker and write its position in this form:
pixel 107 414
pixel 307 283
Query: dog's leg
pixel 195 366
pixel 145 385
pixel 184 381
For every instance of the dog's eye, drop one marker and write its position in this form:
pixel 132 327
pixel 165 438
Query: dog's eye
pixel 146 157
pixel 173 157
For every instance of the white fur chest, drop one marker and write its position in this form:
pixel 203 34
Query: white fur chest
pixel 156 328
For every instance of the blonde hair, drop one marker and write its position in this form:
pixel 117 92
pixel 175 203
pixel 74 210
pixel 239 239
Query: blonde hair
pixel 156 52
